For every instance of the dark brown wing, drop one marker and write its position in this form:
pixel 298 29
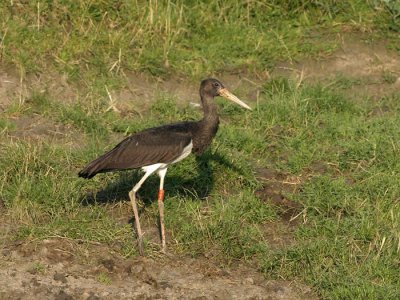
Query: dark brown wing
pixel 156 145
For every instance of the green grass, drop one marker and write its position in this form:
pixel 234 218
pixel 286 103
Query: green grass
pixel 97 43
pixel 347 242
pixel 104 278
pixel 6 124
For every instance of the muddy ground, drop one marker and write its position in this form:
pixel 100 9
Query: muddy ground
pixel 59 268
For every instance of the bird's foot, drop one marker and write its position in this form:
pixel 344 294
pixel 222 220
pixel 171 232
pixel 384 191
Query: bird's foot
pixel 166 254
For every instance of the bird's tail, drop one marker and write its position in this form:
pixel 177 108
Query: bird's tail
pixel 99 165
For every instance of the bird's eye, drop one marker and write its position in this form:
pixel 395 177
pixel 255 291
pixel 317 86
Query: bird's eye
pixel 216 84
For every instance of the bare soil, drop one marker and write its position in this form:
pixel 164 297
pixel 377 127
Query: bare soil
pixel 59 268
pixel 374 68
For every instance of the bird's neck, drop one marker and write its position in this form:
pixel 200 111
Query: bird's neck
pixel 209 123
pixel 210 109
pixel 207 127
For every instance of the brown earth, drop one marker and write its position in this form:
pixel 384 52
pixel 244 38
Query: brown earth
pixel 63 269
pixel 374 69
pixel 60 268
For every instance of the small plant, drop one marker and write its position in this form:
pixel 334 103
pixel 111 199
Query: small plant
pixel 6 125
pixel 389 78
pixel 104 278
pixel 37 268
pixel 394 8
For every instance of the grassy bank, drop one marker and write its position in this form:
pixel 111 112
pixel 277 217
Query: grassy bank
pixel 96 42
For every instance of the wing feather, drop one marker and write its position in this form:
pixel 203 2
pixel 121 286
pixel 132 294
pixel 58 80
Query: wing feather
pixel 155 145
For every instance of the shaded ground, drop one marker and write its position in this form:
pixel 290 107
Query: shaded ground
pixel 59 268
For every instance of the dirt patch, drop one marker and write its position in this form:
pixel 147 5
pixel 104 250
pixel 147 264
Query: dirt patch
pixel 280 233
pixel 17 88
pixel 373 69
pixel 140 90
pixel 37 127
pixel 56 85
pixel 136 96
pixel 276 187
pixel 11 89
pixel 51 269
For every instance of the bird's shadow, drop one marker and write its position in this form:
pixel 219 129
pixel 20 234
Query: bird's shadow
pixel 197 187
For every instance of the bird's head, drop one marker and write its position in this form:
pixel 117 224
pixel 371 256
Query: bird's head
pixel 213 88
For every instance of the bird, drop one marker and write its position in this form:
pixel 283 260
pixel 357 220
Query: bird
pixel 155 149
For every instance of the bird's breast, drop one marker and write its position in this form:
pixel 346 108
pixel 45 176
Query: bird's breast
pixel 203 138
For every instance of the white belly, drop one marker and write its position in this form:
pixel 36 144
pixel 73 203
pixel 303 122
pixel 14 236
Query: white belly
pixel 186 151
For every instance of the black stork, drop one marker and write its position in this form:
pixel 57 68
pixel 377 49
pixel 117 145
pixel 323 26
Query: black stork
pixel 154 149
